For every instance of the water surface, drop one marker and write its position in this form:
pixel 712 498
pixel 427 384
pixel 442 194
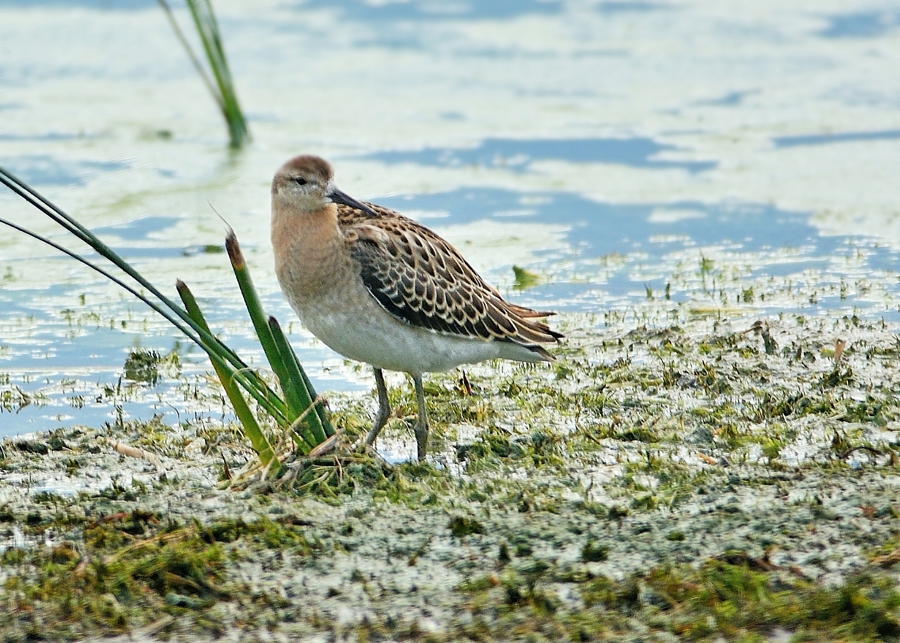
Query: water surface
pixel 621 151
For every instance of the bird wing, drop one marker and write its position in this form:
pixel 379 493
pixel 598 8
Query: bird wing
pixel 422 280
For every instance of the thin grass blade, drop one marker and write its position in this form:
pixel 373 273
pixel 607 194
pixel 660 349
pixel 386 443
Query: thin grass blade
pixel 254 384
pixel 295 405
pixel 208 30
pixel 190 52
pixel 296 383
pixel 236 375
pixel 297 373
pixel 226 376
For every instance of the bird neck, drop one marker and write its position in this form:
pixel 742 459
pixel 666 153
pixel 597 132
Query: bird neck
pixel 292 223
pixel 307 239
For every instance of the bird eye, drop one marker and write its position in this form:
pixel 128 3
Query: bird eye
pixel 299 180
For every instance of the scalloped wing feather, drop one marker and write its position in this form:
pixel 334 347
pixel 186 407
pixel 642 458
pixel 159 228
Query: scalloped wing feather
pixel 422 280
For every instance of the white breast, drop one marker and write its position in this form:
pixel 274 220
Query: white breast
pixel 357 327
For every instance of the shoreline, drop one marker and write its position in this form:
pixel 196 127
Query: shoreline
pixel 709 479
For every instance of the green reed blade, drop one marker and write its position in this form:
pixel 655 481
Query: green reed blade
pixel 238 375
pixel 210 36
pixel 295 368
pixel 190 52
pixel 258 317
pixel 297 388
pixel 296 383
pixel 153 305
pixel 226 376
pixel 296 406
pixel 285 365
pixel 321 411
pixel 254 384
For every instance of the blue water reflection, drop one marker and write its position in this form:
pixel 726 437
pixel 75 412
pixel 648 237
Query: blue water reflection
pixel 731 99
pixel 105 5
pixel 434 9
pixel 43 169
pixel 598 228
pixel 652 241
pixel 137 229
pixel 518 154
pixel 45 137
pixel 630 7
pixel 839 137
pixel 468 9
pixel 862 24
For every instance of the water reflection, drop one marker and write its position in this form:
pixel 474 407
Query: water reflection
pixel 731 99
pixel 469 9
pixel 541 91
pixel 104 5
pixel 598 228
pixel 861 24
pixel 44 169
pixel 836 137
pixel 519 154
pixel 360 10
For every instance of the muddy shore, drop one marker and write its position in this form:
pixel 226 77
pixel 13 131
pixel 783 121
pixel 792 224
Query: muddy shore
pixel 713 478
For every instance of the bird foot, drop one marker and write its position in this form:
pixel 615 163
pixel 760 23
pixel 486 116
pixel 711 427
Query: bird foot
pixel 421 432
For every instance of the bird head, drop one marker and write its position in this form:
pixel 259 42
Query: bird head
pixel 306 183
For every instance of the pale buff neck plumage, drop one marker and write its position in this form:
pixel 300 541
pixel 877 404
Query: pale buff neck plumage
pixel 308 247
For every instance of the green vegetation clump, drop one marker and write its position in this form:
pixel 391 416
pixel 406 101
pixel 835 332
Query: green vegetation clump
pixel 128 570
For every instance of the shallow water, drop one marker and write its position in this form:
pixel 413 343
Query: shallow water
pixel 612 148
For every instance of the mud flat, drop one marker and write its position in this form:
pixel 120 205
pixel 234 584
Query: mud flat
pixel 707 476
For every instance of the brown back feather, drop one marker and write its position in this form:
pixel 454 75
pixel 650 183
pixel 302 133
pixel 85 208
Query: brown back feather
pixel 422 280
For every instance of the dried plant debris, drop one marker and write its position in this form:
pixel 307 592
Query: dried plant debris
pixel 710 480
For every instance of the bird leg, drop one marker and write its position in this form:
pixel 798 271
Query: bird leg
pixel 384 408
pixel 421 427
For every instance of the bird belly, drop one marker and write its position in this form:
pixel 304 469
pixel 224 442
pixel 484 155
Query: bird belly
pixel 367 333
pixel 387 343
